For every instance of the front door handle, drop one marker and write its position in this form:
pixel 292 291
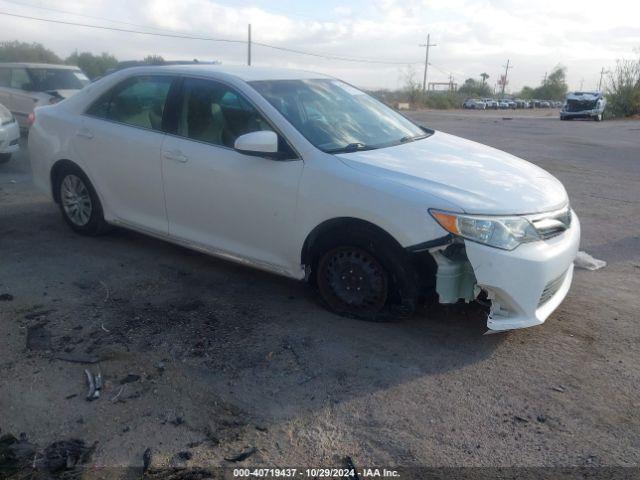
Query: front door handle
pixel 84 133
pixel 176 156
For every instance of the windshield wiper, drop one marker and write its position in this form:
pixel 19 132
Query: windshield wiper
pixel 412 139
pixel 352 147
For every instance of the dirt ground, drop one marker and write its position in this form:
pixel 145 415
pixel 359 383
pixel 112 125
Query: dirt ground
pixel 204 360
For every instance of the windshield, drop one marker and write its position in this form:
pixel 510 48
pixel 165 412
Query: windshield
pixel 45 79
pixel 336 117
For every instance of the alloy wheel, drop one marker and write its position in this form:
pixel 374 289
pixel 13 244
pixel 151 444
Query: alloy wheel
pixel 76 200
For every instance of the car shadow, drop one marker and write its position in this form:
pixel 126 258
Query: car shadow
pixel 248 338
pixel 265 344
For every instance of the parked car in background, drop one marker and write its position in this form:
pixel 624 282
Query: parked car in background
pixel 474 104
pixel 520 103
pixel 306 176
pixel 25 86
pixel 9 134
pixel 504 104
pixel 491 103
pixel 544 104
pixel 584 105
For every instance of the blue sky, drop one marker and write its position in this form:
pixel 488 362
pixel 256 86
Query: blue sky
pixel 472 36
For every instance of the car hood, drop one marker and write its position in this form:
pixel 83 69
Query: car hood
pixel 475 177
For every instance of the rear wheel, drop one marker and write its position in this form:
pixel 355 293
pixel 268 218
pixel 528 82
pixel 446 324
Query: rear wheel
pixel 79 203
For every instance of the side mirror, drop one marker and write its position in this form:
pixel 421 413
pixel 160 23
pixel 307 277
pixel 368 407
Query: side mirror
pixel 262 143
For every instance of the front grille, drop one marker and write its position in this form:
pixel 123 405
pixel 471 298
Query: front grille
pixel 551 289
pixel 549 225
pixel 580 105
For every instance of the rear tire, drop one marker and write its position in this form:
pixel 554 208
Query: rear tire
pixel 4 158
pixel 79 202
pixel 364 275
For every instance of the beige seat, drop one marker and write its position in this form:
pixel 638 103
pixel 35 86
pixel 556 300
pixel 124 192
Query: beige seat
pixel 205 120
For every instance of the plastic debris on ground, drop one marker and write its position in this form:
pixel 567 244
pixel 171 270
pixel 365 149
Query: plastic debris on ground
pixel 586 261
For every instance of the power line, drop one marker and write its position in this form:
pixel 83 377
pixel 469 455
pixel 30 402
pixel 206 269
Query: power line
pixel 208 39
pixel 93 17
pixel 124 30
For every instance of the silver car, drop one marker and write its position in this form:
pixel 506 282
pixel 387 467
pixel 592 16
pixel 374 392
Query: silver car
pixel 25 86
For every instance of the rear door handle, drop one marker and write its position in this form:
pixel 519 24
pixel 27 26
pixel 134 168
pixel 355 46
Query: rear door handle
pixel 84 133
pixel 176 156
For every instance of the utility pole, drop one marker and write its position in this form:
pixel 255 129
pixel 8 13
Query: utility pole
pixel 426 60
pixel 544 82
pixel 249 46
pixel 602 72
pixel 504 81
pixel 581 83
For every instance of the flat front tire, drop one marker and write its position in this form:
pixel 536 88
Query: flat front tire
pixel 352 282
pixel 79 203
pixel 363 275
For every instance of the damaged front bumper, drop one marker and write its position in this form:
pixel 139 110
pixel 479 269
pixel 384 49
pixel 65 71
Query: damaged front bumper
pixel 524 285
pixel 581 113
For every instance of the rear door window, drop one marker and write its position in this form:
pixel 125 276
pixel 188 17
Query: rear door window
pixel 138 101
pixel 20 79
pixel 5 77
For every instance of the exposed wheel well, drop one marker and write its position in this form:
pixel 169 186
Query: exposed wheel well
pixel 342 227
pixel 337 227
pixel 57 168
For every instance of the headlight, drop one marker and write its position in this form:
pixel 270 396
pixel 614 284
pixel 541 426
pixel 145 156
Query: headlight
pixel 5 116
pixel 500 232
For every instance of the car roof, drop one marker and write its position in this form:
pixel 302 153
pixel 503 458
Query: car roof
pixel 242 72
pixel 38 65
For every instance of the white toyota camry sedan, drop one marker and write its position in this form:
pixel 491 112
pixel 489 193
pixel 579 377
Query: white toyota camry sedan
pixel 306 176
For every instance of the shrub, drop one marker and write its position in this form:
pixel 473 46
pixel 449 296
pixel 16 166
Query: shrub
pixel 623 89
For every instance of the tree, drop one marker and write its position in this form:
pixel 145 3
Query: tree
pixel 526 93
pixel 473 88
pixel 93 65
pixel 26 52
pixel 484 77
pixel 153 60
pixel 555 87
pixel 412 87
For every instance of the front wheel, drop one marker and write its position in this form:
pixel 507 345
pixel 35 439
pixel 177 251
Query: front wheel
pixel 361 273
pixel 79 203
pixel 598 117
pixel 4 157
pixel 353 282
